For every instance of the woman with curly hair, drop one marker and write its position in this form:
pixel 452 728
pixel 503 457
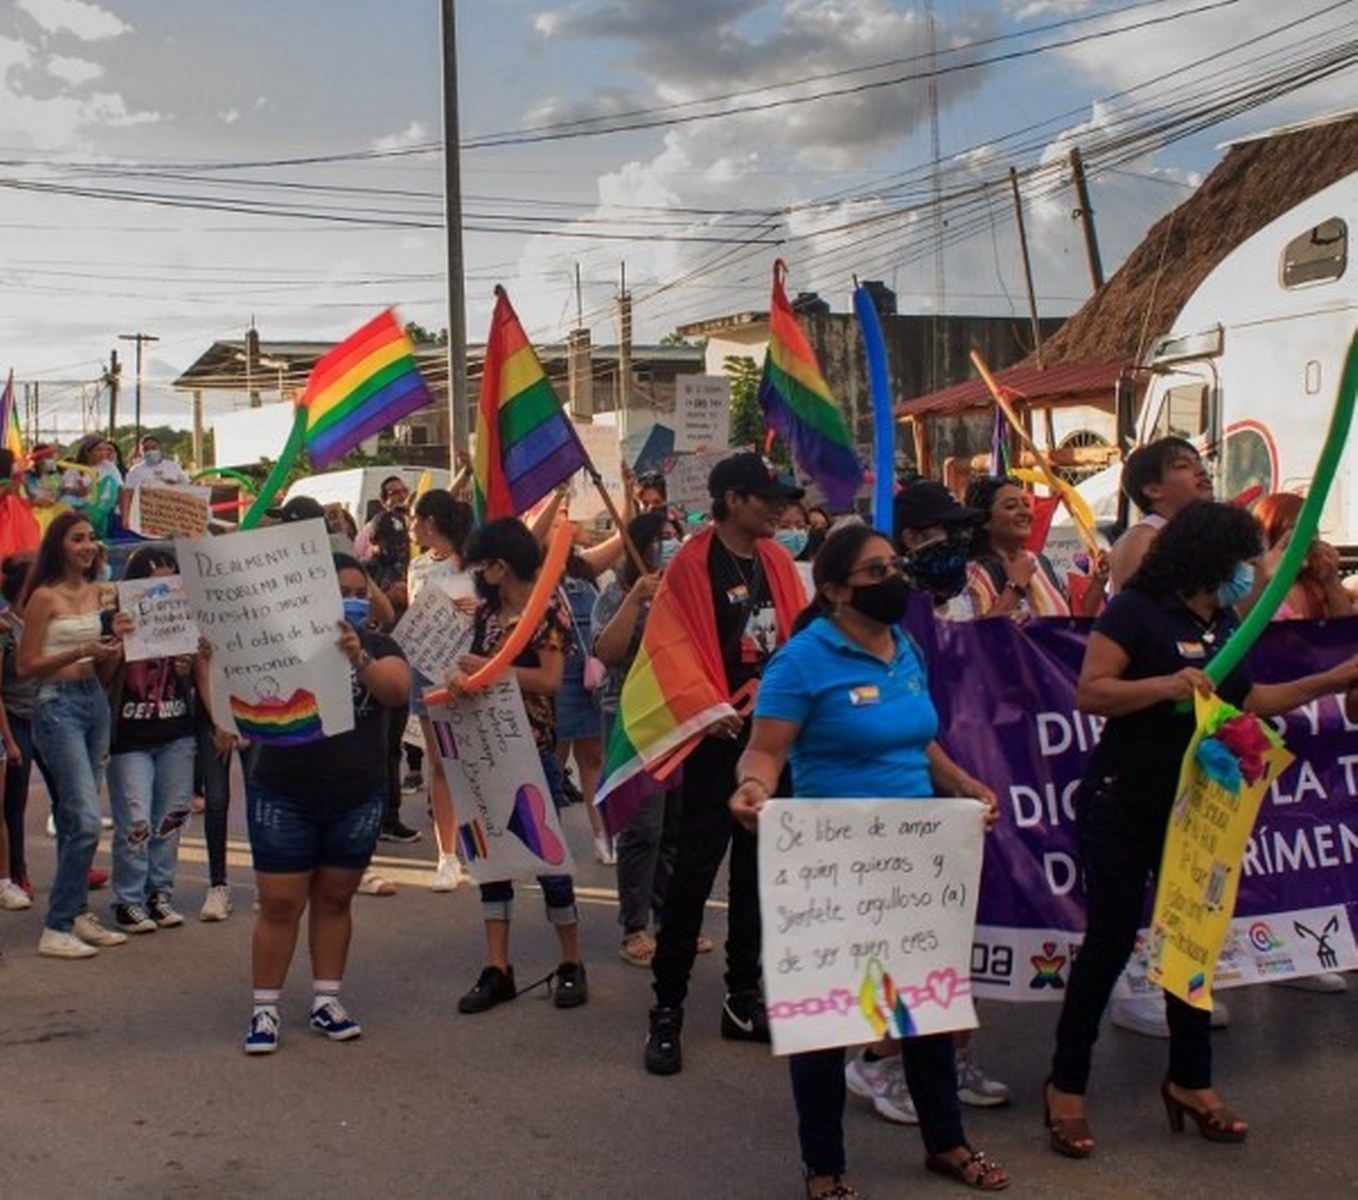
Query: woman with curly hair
pixel 1146 658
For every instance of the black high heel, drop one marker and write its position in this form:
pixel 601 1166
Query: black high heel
pixel 1219 1124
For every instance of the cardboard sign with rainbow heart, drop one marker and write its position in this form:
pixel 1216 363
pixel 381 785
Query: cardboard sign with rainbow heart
pixel 869 907
pixel 507 823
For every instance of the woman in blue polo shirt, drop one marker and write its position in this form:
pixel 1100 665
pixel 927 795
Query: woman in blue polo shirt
pixel 846 701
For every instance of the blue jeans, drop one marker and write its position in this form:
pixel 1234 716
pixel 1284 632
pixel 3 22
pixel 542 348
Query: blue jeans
pixel 149 792
pixel 71 731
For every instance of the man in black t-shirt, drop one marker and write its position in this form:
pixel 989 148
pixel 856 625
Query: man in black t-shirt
pixel 387 537
pixel 747 497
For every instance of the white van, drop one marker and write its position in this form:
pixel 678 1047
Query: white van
pixel 359 489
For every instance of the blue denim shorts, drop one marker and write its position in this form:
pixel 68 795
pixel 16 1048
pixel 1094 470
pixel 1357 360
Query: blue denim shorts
pixel 289 835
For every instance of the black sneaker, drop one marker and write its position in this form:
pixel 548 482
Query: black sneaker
pixel 413 782
pixel 163 912
pixel 572 988
pixel 396 832
pixel 744 1019
pixel 133 918
pixel 664 1054
pixel 493 987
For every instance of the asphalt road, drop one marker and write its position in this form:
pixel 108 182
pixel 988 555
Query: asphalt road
pixel 122 1076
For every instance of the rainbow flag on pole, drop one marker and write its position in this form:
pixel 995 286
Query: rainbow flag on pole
pixel 364 385
pixel 12 435
pixel 525 445
pixel 797 404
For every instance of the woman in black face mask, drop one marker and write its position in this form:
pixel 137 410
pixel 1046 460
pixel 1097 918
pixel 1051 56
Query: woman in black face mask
pixel 847 701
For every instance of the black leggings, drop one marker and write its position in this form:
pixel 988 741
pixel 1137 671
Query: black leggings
pixel 1121 840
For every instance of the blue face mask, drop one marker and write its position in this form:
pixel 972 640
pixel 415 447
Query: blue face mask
pixel 1237 587
pixel 669 547
pixel 792 540
pixel 151 458
pixel 357 610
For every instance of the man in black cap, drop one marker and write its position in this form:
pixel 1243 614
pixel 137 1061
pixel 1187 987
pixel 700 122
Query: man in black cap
pixel 934 533
pixel 740 594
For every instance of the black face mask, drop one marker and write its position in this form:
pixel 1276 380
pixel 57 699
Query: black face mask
pixel 489 592
pixel 885 602
pixel 940 567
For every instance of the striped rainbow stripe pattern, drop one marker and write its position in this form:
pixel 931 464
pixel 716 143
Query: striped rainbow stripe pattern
pixel 13 440
pixel 364 385
pixel 798 406
pixel 525 446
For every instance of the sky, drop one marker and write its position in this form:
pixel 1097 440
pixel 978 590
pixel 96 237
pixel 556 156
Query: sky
pixel 185 169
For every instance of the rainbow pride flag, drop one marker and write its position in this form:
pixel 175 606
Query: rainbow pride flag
pixel 797 405
pixel 525 445
pixel 10 433
pixel 677 685
pixel 365 384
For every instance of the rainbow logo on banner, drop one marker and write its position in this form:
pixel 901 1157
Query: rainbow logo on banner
pixel 279 722
pixel 472 838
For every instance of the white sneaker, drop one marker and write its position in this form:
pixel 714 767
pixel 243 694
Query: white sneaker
pixel 604 851
pixel 447 875
pixel 976 1089
pixel 882 1082
pixel 13 897
pixel 55 944
pixel 88 929
pixel 1146 1015
pixel 216 904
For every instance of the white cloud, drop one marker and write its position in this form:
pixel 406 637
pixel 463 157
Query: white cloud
pixel 229 117
pixel 412 135
pixel 73 71
pixel 1027 10
pixel 89 22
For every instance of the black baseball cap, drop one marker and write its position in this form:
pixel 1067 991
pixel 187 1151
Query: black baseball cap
pixel 299 508
pixel 927 502
pixel 752 474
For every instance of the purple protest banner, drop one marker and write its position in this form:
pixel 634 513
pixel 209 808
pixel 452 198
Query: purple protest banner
pixel 1005 695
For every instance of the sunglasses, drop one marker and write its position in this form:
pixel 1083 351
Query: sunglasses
pixel 878 569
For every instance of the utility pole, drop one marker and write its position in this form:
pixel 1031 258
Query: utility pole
pixel 458 401
pixel 113 377
pixel 1086 214
pixel 1027 265
pixel 625 353
pixel 141 339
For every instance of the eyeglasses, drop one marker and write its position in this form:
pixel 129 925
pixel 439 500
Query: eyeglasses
pixel 878 569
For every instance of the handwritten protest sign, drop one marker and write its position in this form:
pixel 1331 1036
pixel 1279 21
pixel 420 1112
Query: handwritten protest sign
pixel 171 511
pixel 686 480
pixel 508 826
pixel 433 633
pixel 1230 763
pixel 605 452
pixel 702 412
pixel 868 908
pixel 163 626
pixel 268 601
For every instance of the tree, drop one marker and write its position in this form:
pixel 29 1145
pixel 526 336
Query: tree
pixel 747 418
pixel 421 336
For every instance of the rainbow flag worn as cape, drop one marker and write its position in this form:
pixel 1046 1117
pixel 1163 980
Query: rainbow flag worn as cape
pixel 677 685
pixel 9 424
pixel 798 405
pixel 525 445
pixel 365 384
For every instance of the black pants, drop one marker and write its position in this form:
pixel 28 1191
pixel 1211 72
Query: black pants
pixel 818 1090
pixel 1121 839
pixel 705 831
pixel 396 727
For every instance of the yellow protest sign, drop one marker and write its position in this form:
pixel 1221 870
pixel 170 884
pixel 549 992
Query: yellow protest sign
pixel 1230 763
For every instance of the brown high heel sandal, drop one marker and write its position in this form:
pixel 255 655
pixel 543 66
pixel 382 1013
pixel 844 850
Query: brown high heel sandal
pixel 839 1188
pixel 1068 1136
pixel 1218 1124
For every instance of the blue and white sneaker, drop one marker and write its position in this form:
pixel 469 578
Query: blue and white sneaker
pixel 336 1024
pixel 262 1036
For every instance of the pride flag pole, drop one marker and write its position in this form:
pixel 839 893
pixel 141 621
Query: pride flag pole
pixel 288 456
pixel 883 423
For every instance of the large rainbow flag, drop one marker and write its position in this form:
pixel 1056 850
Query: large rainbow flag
pixel 677 685
pixel 12 435
pixel 797 404
pixel 365 384
pixel 525 445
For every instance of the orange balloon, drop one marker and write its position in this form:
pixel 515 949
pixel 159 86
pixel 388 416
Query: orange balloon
pixel 558 550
